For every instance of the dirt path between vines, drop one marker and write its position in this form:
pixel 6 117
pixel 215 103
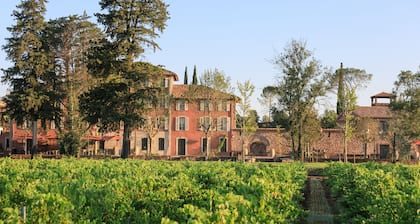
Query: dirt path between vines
pixel 317 201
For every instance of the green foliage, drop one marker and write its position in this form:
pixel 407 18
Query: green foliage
pixel 375 193
pixel 301 83
pixel 36 90
pixel 185 76
pixel 117 191
pixel 329 119
pixel 406 106
pixel 69 143
pixel 130 26
pixel 217 80
pixel 195 79
pixel 345 78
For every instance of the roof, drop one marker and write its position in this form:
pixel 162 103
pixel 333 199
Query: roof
pixel 373 112
pixel 382 95
pixel 199 92
pixel 170 73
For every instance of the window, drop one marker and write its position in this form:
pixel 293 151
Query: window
pixel 161 144
pixel 223 124
pixel 204 144
pixel 181 105
pixel 181 123
pixel 222 144
pixel 27 124
pixel 144 144
pixel 162 123
pixel 384 126
pixel 223 106
pixel 164 83
pixel 102 144
pixel 205 105
pixel 163 101
pixel 205 124
pixel 52 125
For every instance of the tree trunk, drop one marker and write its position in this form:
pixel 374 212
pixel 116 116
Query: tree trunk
pixel 149 149
pixel 126 141
pixel 34 138
pixel 365 150
pixel 345 148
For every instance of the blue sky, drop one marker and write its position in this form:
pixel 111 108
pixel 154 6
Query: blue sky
pixel 240 37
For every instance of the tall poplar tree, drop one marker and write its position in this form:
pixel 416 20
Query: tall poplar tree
pixel 246 120
pixel 36 90
pixel 130 27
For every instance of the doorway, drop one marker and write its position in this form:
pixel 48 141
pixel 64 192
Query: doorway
pixel 181 146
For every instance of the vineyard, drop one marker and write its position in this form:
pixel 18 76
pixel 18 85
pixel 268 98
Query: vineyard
pixel 131 191
pixel 376 193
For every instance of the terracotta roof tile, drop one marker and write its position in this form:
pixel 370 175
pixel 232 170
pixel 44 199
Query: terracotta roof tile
pixel 198 92
pixel 373 112
pixel 383 95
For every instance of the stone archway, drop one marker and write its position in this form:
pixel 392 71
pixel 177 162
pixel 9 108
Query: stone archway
pixel 258 149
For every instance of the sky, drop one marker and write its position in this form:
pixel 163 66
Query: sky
pixel 241 37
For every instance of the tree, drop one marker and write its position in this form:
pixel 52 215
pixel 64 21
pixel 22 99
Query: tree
pixel 195 79
pixel 348 78
pixel 69 39
pixel 406 110
pixel 130 25
pixel 329 119
pixel 246 120
pixel 216 80
pixel 185 76
pixel 349 126
pixel 302 82
pixel 36 90
pixel 267 97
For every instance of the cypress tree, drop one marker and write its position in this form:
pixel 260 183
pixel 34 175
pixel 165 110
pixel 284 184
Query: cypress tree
pixel 195 79
pixel 185 76
pixel 340 91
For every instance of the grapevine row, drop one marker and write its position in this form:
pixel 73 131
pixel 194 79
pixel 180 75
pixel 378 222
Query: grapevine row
pixel 376 193
pixel 131 191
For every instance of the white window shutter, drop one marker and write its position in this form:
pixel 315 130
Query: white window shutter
pixel 186 105
pixel 201 105
pixel 228 124
pixel 186 123
pixel 166 82
pixel 166 124
pixel 177 105
pixel 227 106
pixel 177 123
